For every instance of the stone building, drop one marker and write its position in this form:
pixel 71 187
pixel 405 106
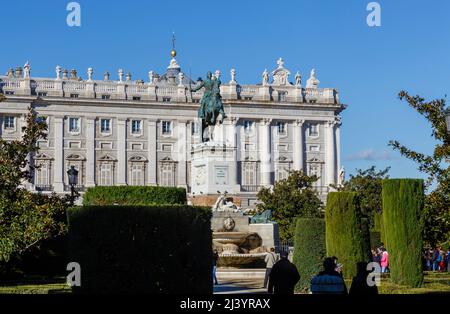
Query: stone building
pixel 128 132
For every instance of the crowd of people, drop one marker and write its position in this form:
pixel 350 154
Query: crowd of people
pixel 436 259
pixel 282 275
pixel 381 256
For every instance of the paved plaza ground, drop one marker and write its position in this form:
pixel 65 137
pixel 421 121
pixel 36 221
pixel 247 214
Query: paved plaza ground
pixel 247 286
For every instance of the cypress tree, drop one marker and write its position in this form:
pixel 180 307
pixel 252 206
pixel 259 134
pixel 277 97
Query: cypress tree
pixel 403 201
pixel 309 250
pixel 345 236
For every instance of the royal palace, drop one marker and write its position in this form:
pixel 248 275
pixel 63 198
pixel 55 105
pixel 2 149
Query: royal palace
pixel 134 132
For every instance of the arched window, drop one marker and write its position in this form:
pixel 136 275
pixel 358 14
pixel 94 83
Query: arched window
pixel 167 172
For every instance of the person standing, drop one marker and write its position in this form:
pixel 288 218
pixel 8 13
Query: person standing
pixel 215 259
pixel 283 276
pixel 328 281
pixel 270 259
pixel 435 259
pixel 384 261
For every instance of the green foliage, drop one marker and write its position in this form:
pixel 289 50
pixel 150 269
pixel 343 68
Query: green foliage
pixel 368 185
pixel 346 237
pixel 375 239
pixel 403 202
pixel 309 250
pixel 291 198
pixel 142 249
pixel 134 195
pixel 25 218
pixel 437 213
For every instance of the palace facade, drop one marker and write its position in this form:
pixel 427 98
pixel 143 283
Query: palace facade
pixel 127 132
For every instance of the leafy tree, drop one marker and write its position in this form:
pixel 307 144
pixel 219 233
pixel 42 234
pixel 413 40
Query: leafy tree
pixel 437 203
pixel 367 183
pixel 25 218
pixel 291 198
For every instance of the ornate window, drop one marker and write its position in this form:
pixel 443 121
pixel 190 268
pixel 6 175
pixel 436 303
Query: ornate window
pixel 43 173
pixel 137 170
pixel 314 167
pixel 78 162
pixel 283 167
pixel 250 173
pixel 106 166
pixel 167 172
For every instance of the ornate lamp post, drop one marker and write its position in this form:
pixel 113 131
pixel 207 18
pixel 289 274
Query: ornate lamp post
pixel 72 174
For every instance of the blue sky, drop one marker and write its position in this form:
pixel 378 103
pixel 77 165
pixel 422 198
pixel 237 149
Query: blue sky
pixel 369 66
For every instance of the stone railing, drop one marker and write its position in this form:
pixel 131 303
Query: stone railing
pixel 131 90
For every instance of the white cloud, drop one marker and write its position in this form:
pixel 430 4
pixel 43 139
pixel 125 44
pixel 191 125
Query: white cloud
pixel 370 154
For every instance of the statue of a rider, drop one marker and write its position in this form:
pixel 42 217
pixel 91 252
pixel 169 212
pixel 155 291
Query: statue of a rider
pixel 211 107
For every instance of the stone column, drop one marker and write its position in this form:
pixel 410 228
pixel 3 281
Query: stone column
pixel 122 151
pixel 182 153
pixel 265 152
pixel 231 139
pixel 152 152
pixel 298 145
pixel 338 145
pixel 90 152
pixel 58 169
pixel 330 161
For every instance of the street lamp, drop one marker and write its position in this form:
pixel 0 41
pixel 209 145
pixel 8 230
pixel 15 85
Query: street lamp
pixel 72 173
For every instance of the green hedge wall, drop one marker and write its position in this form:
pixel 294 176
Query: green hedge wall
pixel 142 249
pixel 403 201
pixel 309 250
pixel 134 195
pixel 346 237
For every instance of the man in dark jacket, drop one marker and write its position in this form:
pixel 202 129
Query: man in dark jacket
pixel 284 276
pixel 328 281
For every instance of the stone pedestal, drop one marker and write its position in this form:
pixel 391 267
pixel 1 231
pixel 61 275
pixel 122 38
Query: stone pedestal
pixel 213 169
pixel 268 233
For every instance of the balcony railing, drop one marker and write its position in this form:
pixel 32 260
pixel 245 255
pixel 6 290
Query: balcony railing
pixel 126 90
pixel 250 188
pixel 78 188
pixel 44 187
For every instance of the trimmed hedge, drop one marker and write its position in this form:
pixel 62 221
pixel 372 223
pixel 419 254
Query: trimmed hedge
pixel 346 237
pixel 403 201
pixel 309 250
pixel 134 195
pixel 142 249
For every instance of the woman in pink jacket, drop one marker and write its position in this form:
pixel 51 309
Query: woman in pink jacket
pixel 384 261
